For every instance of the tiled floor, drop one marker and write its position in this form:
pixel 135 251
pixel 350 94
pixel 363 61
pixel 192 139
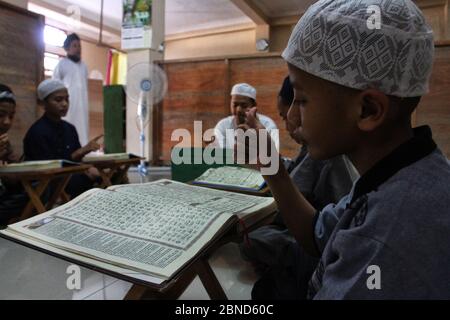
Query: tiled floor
pixel 28 274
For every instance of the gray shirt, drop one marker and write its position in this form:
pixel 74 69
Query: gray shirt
pixel 321 182
pixel 397 219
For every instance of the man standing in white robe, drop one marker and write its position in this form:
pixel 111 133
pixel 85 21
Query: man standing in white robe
pixel 74 74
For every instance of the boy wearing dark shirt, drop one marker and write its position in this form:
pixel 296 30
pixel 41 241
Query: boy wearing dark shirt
pixel 51 138
pixel 12 196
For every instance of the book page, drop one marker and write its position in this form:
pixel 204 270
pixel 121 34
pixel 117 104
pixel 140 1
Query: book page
pixel 85 260
pixel 106 157
pixel 232 176
pixel 36 166
pixel 154 228
pixel 31 165
pixel 209 199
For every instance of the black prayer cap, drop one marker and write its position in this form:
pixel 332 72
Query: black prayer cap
pixel 287 92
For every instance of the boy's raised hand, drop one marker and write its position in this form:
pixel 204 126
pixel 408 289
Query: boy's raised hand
pixel 93 145
pixel 260 145
pixel 4 141
pixel 297 213
pixel 252 120
pixel 4 145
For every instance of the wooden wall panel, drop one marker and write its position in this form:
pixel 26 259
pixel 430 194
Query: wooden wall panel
pixel 436 13
pixel 200 91
pixel 267 76
pixel 21 64
pixel 434 109
pixel 196 93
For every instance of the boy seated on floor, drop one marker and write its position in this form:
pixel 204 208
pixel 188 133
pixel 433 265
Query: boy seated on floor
pixel 355 91
pixel 52 138
pixel 12 197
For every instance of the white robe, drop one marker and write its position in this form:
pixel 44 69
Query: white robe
pixel 220 131
pixel 75 77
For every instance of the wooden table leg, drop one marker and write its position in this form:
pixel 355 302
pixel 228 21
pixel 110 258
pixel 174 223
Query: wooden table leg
pixel 61 185
pixel 65 197
pixel 209 280
pixel 35 198
pixel 121 172
pixel 136 293
pixel 106 178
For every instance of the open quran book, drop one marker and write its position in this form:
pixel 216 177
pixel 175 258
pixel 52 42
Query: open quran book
pixel 147 232
pixel 29 166
pixel 233 179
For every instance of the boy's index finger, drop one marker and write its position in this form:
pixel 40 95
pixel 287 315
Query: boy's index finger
pixel 253 111
pixel 98 138
pixel 252 119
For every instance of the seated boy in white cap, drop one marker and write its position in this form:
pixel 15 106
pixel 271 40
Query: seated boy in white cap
pixel 243 98
pixel 51 138
pixel 356 88
pixel 12 196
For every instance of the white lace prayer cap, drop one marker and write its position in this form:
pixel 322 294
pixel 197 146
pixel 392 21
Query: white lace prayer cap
pixel 338 40
pixel 7 95
pixel 49 86
pixel 244 89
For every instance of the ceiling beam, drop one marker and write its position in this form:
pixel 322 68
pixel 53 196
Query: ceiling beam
pixel 430 3
pixel 285 21
pixel 87 21
pixel 209 32
pixel 252 11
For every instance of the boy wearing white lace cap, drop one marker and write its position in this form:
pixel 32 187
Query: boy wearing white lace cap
pixel 355 90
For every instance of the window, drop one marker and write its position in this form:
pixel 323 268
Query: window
pixel 50 62
pixel 54 36
pixel 54 39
